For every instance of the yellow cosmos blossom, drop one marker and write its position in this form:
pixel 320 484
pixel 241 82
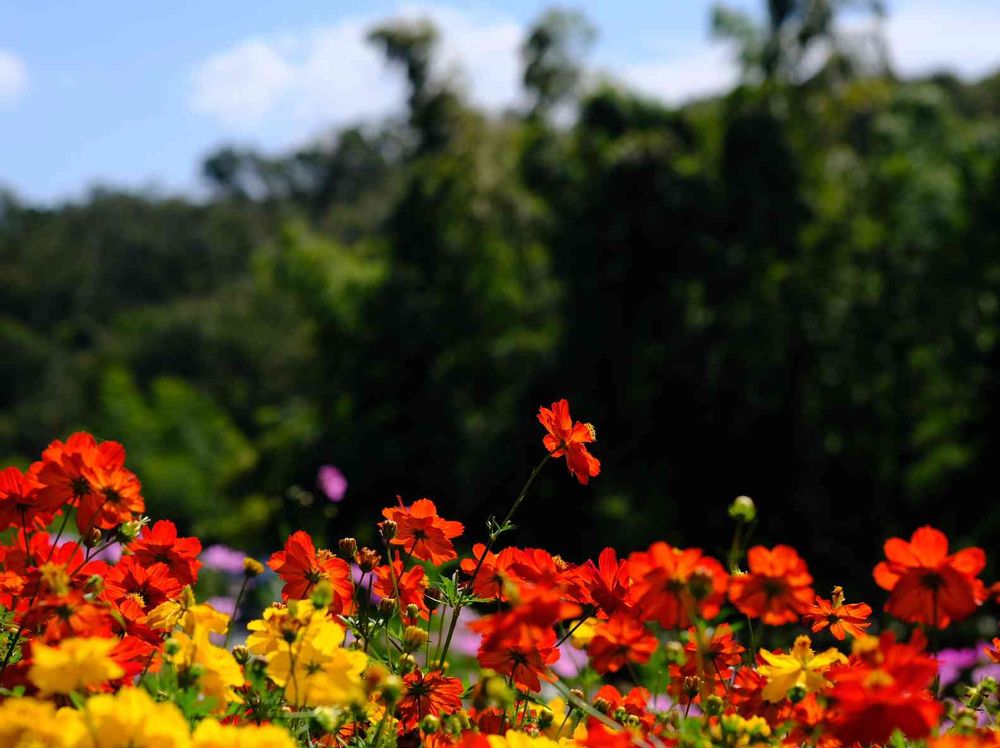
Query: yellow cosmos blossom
pixel 280 626
pixel 211 734
pixel 517 739
pixel 318 671
pixel 131 718
pixel 29 723
pixel 740 732
pixel 184 612
pixel 584 633
pixel 800 667
pixel 74 665
pixel 220 673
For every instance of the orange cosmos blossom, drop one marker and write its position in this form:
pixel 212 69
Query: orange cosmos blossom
pixel 993 652
pixel 618 641
pixel 842 618
pixel 568 439
pixel 422 533
pixel 302 567
pixel 777 588
pixel 668 581
pixel 926 584
pixel 428 693
pixel 21 501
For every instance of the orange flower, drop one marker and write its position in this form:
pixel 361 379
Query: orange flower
pixel 777 588
pixel 494 574
pixel 21 503
pixel 303 567
pixel 568 439
pixel 993 652
pixel 608 583
pixel 422 533
pixel 926 585
pixel 431 693
pixel 721 656
pixel 668 581
pixel 409 585
pixel 841 617
pixel 618 641
pixel 884 689
pixel 61 470
pixel 116 494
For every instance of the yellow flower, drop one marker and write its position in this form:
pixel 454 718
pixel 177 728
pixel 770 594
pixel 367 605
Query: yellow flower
pixel 131 718
pixel 317 670
pixel 739 732
pixel 220 672
pixel 184 612
pixel 211 734
pixel 584 633
pixel 517 739
pixel 74 665
pixel 29 723
pixel 279 627
pixel 801 667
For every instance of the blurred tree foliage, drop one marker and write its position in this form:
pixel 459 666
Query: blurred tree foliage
pixel 791 291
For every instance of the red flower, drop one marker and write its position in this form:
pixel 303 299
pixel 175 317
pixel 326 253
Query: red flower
pixel 841 617
pixel 568 439
pixel 719 660
pixel 494 574
pixel 407 587
pixel 116 494
pixel 160 544
pixel 61 470
pixel 618 641
pixel 668 581
pixel 926 585
pixel 148 587
pixel 884 689
pixel 993 652
pixel 608 583
pixel 777 588
pixel 21 501
pixel 422 533
pixel 431 693
pixel 302 567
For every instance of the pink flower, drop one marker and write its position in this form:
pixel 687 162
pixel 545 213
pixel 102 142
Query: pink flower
pixel 332 482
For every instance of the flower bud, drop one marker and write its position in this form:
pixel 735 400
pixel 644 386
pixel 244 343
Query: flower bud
pixel 414 637
pixel 92 538
pixel 713 705
pixel 432 598
pixel 796 693
pixel 387 529
pixel 322 595
pixel 407 664
pixel 392 689
pixel 743 509
pixel 429 724
pixel 602 705
pixel 412 611
pixel 241 654
pixel 196 671
pixel 387 606
pixel 252 567
pixel 577 694
pixel 632 720
pixel 347 548
pixel 691 685
pixel 368 559
pixel 620 714
pixel 171 647
pixel 329 719
pixel 545 718
pixel 126 532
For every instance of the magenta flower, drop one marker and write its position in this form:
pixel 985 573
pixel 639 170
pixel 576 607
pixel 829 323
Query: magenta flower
pixel 332 482
pixel 223 558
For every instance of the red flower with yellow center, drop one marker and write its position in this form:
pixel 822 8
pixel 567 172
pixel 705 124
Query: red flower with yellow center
pixel 568 439
pixel 422 533
pixel 428 693
pixel 842 618
pixel 160 544
pixel 302 567
pixel 778 587
pixel 927 585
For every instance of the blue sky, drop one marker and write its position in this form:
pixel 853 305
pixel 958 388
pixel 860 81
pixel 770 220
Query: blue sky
pixel 134 94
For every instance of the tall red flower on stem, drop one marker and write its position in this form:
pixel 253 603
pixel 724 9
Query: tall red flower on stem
pixel 568 439
pixel 842 618
pixel 618 641
pixel 671 583
pixel 422 533
pixel 777 589
pixel 927 584
pixel 302 567
pixel 431 693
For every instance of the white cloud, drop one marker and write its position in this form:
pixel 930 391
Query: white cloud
pixel 332 74
pixel 13 78
pixel 963 37
pixel 698 70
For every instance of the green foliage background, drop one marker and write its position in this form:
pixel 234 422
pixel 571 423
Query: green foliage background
pixel 790 291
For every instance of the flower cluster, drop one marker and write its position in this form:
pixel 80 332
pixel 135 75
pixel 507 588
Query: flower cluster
pixel 409 641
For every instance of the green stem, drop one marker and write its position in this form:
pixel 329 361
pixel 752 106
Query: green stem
pixel 236 610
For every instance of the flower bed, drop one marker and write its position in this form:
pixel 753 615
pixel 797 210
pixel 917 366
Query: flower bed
pixel 371 646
